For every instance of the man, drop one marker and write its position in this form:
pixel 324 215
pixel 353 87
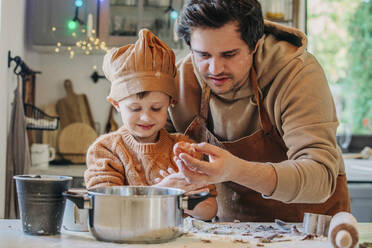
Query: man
pixel 261 105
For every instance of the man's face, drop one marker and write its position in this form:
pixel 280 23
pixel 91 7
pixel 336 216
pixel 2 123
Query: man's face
pixel 222 58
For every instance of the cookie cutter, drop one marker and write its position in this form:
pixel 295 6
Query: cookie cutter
pixel 316 224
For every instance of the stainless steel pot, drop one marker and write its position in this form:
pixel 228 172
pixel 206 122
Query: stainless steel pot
pixel 136 214
pixel 75 219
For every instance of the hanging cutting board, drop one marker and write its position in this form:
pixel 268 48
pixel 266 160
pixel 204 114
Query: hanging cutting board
pixel 74 140
pixel 74 108
pixel 111 124
pixel 50 136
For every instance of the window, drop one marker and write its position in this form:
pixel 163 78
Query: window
pixel 340 37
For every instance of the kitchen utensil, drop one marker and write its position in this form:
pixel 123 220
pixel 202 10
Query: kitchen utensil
pixel 74 140
pixel 366 153
pixel 316 224
pixel 136 214
pixel 74 108
pixel 41 154
pixel 75 219
pixel 111 124
pixel 50 136
pixel 41 202
pixel 283 225
pixel 343 231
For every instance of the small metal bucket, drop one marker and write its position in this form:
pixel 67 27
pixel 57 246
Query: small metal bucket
pixel 41 202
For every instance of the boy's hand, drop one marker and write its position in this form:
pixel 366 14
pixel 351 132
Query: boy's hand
pixel 175 180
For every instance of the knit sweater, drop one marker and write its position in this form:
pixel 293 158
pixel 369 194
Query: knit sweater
pixel 118 158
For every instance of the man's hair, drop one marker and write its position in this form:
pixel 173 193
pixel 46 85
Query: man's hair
pixel 217 13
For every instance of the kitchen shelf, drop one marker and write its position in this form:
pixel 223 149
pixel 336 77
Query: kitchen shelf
pixel 123 5
pixel 119 22
pixel 279 20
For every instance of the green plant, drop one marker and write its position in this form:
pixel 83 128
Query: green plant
pixel 358 84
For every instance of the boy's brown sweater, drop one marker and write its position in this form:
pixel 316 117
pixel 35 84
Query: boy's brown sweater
pixel 118 159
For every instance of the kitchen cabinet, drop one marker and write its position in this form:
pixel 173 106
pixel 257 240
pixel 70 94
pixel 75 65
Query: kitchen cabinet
pixel 120 20
pixel 48 21
pixel 359 178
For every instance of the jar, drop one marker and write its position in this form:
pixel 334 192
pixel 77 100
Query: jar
pixel 276 9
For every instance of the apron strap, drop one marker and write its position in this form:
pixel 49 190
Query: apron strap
pixel 204 105
pixel 264 117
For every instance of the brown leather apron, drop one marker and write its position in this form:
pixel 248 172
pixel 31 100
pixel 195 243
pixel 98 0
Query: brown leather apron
pixel 236 202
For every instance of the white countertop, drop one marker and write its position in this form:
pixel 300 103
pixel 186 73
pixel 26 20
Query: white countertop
pixel 358 170
pixel 74 170
pixel 12 236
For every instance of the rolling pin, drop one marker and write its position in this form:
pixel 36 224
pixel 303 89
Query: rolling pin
pixel 343 231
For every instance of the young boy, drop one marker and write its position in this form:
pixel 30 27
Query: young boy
pixel 142 88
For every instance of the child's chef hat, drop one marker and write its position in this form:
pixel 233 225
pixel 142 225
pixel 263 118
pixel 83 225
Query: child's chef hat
pixel 147 65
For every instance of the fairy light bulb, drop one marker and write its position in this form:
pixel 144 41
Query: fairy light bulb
pixel 71 25
pixel 174 14
pixel 78 3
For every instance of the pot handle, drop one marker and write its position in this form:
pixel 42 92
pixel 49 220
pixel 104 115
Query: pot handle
pixel 189 202
pixel 82 201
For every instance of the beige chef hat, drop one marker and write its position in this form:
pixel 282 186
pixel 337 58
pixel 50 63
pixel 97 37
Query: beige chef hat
pixel 147 65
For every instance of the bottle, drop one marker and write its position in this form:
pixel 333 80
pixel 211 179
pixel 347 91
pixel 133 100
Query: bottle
pixel 343 231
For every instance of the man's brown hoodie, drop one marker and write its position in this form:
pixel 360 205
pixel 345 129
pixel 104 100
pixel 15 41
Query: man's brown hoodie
pixel 300 106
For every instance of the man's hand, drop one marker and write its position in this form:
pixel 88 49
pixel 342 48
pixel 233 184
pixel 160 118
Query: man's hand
pixel 220 167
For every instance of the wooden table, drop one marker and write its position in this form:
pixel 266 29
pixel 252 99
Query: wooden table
pixel 12 236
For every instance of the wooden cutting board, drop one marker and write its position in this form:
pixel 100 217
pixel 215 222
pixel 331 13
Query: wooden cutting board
pixel 74 140
pixel 74 108
pixel 111 124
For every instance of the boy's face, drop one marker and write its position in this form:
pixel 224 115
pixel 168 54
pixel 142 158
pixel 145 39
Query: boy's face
pixel 145 117
pixel 222 58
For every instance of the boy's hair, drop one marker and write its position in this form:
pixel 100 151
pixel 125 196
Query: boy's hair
pixel 217 13
pixel 142 94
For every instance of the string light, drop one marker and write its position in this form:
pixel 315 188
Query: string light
pixel 87 45
pixel 85 31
